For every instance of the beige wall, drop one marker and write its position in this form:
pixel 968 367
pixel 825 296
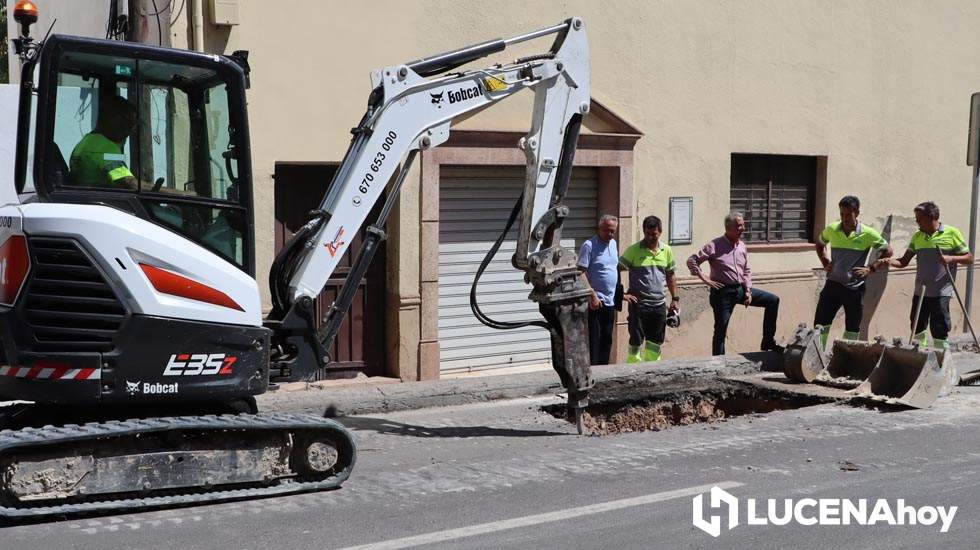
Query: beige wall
pixel 879 88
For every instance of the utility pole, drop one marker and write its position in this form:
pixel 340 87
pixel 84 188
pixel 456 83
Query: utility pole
pixel 973 159
pixel 149 21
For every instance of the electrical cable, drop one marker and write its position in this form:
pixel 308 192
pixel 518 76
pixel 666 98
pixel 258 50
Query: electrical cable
pixel 180 10
pixel 170 6
pixel 108 23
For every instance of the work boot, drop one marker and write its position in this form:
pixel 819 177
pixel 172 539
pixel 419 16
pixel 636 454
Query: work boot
pixel 824 336
pixel 633 354
pixel 920 338
pixel 851 335
pixel 652 351
pixel 773 346
pixel 940 344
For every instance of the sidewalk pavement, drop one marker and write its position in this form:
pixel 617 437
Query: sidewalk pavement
pixel 379 394
pixel 383 395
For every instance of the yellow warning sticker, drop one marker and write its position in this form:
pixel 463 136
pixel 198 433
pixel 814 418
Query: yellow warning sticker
pixel 495 83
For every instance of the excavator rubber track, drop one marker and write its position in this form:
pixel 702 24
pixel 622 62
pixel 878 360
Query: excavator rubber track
pixel 291 448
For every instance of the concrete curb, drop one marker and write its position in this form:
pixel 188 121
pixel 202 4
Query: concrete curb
pixel 346 401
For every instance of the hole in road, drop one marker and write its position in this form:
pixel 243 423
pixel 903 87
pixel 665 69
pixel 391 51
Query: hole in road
pixel 659 410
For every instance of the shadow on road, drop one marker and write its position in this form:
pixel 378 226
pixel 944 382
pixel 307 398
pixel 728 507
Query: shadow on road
pixel 384 426
pixel 769 361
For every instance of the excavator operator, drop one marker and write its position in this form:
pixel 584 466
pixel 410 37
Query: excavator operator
pixel 98 159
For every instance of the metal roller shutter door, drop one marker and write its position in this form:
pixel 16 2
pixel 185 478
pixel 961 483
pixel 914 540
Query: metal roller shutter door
pixel 474 203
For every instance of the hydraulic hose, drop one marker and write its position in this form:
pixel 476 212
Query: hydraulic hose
pixel 474 306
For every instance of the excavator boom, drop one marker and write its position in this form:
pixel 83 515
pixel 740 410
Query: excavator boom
pixel 407 113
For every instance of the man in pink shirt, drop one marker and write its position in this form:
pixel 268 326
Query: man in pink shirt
pixel 731 284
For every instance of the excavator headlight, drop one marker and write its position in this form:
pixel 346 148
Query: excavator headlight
pixel 15 262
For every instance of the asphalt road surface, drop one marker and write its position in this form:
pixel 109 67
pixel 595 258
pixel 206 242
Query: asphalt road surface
pixel 507 475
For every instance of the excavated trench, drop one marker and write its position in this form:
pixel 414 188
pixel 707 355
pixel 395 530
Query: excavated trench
pixel 636 409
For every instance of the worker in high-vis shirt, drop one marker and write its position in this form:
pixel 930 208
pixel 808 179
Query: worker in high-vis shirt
pixel 852 245
pixel 98 159
pixel 651 267
pixel 937 248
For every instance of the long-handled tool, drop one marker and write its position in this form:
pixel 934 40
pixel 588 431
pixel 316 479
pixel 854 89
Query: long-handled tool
pixel 966 314
pixel 918 310
pixel 971 377
pixel 874 286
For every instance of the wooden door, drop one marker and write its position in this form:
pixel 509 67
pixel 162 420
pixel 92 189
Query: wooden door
pixel 360 344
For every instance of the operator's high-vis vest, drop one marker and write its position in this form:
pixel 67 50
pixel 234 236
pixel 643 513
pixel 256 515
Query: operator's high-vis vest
pixel 97 161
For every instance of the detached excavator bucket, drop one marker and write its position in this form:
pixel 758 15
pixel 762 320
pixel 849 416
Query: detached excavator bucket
pixel 804 358
pixel 851 362
pixel 907 375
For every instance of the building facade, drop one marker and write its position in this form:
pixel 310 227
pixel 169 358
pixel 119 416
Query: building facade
pixel 776 108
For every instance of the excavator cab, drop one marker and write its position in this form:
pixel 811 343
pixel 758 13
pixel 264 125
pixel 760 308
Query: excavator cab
pixel 159 133
pixel 131 209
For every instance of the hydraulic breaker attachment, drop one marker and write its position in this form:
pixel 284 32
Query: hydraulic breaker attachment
pixel 804 358
pixel 851 362
pixel 907 375
pixel 563 300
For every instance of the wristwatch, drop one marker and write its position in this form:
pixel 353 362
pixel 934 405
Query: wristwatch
pixel 675 298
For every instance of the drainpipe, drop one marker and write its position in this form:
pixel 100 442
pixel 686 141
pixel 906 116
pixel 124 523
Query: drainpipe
pixel 197 8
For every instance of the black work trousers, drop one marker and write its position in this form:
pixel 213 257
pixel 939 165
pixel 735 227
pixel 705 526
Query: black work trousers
pixel 835 296
pixel 647 323
pixel 602 321
pixel 934 314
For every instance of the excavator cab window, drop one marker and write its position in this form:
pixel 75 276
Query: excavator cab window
pixel 158 132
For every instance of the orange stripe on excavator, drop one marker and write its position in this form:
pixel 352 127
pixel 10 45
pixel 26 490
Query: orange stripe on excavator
pixel 171 283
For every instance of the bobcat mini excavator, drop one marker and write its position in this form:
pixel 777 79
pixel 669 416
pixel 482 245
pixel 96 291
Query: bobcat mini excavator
pixel 129 309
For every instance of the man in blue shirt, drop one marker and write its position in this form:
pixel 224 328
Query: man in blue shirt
pixel 598 259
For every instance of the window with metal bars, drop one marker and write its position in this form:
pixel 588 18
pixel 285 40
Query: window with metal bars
pixel 776 194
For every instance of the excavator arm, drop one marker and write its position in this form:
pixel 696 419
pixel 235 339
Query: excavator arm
pixel 410 109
